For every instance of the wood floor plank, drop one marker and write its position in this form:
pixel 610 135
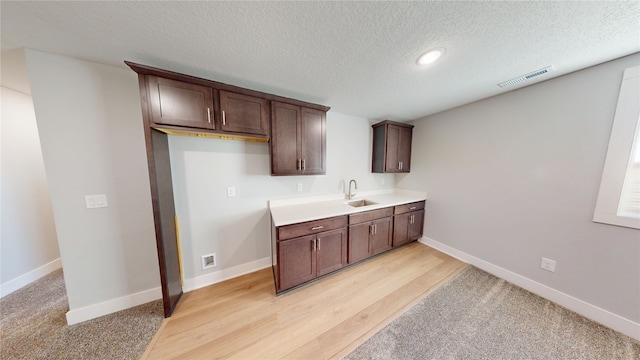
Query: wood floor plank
pixel 330 312
pixel 243 318
pixel 350 330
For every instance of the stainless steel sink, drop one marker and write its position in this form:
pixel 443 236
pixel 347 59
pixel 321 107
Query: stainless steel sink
pixel 360 203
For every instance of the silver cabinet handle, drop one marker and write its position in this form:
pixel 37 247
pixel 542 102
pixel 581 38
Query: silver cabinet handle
pixel 224 118
pixel 400 165
pixel 298 165
pixel 317 227
pixel 209 115
pixel 375 228
pixel 304 164
pixel 371 229
pixel 314 244
pixel 413 208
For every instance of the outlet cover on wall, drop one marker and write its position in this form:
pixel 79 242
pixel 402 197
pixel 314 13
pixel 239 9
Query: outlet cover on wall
pixel 95 201
pixel 208 261
pixel 548 264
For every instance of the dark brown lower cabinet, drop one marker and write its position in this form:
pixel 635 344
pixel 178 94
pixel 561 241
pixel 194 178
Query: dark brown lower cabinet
pixel 331 251
pixel 297 261
pixel 370 233
pixel 306 257
pixel 305 251
pixel 408 223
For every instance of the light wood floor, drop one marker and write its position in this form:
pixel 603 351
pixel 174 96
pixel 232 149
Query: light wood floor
pixel 243 319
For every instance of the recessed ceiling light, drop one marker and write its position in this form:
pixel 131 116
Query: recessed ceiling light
pixel 430 57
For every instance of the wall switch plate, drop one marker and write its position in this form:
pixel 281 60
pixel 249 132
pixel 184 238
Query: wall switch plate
pixel 299 186
pixel 95 201
pixel 208 261
pixel 548 264
pixel 231 191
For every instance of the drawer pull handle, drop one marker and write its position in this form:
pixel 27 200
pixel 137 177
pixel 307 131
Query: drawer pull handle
pixel 317 227
pixel 413 208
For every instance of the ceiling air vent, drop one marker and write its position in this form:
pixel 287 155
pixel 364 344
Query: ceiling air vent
pixel 526 77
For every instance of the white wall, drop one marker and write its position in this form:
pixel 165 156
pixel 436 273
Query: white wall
pixel 90 127
pixel 515 177
pixel 237 228
pixel 28 243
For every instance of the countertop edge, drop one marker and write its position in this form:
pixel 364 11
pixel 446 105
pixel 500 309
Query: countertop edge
pixel 303 209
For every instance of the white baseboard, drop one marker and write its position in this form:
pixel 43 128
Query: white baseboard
pixel 26 279
pixel 76 316
pixel 225 274
pixel 604 317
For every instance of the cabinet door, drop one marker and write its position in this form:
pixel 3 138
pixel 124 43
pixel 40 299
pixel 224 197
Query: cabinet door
pixel 244 114
pixel 392 157
pixel 381 238
pixel 179 103
pixel 404 149
pixel 313 142
pixel 331 251
pixel 416 222
pixel 359 246
pixel 285 131
pixel 296 261
pixel 401 229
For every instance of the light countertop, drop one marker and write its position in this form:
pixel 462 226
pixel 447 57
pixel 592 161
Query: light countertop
pixel 291 211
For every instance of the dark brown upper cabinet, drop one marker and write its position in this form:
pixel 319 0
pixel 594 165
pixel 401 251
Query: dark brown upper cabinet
pixel 391 147
pixel 298 140
pixel 244 114
pixel 181 104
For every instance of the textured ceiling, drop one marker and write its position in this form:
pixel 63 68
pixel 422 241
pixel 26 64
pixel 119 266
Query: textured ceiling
pixel 357 57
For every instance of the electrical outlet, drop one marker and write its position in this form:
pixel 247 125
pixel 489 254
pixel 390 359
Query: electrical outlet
pixel 548 264
pixel 231 191
pixel 299 186
pixel 95 201
pixel 208 261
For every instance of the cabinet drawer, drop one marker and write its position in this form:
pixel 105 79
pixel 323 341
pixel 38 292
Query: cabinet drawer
pixel 311 227
pixel 370 215
pixel 401 209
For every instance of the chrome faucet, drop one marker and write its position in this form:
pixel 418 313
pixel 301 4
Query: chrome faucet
pixel 351 195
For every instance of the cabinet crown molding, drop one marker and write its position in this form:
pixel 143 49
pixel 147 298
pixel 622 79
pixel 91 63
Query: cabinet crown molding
pixel 149 70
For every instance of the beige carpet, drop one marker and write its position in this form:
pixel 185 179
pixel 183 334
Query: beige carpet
pixel 33 326
pixel 478 316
